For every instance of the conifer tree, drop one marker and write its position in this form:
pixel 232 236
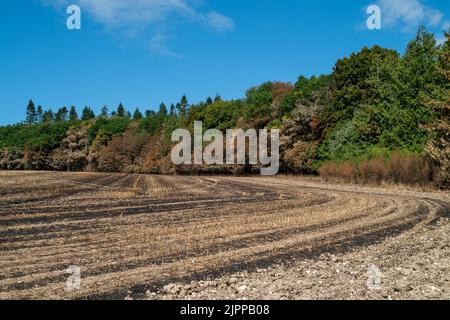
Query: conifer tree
pixel 137 114
pixel 39 114
pixel 173 111
pixel 121 110
pixel 73 115
pixel 31 113
pixel 104 112
pixel 163 109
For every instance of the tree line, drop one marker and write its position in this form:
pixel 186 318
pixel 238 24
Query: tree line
pixel 38 115
pixel 376 106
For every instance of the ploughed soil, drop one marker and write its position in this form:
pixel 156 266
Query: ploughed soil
pixel 169 237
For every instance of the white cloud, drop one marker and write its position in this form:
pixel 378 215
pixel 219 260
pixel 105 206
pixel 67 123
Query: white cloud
pixel 408 14
pixel 219 22
pixel 157 45
pixel 141 18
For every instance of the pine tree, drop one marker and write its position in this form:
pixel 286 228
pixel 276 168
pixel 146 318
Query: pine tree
pixel 218 98
pixel 137 114
pixel 209 101
pixel 121 110
pixel 173 111
pixel 183 105
pixel 163 109
pixel 39 114
pixel 48 116
pixel 61 115
pixel 31 113
pixel 149 113
pixel 418 72
pixel 87 114
pixel 104 112
pixel 73 115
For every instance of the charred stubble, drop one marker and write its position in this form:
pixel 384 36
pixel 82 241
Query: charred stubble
pixel 134 232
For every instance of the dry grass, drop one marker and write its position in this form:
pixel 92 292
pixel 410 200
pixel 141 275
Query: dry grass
pixel 399 168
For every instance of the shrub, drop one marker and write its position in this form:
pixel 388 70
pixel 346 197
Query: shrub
pixel 373 170
pixel 403 168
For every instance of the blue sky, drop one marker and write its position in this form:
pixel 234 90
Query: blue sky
pixel 142 52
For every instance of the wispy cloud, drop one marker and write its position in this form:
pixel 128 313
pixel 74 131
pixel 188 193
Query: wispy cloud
pixel 219 22
pixel 145 18
pixel 408 14
pixel 158 45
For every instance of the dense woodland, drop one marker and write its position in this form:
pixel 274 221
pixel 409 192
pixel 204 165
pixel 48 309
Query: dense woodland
pixel 379 116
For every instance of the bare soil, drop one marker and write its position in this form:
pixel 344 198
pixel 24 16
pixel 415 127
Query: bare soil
pixel 167 237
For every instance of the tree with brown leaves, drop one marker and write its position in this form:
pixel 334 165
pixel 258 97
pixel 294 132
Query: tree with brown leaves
pixel 438 149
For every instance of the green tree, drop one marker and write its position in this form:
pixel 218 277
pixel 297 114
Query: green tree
pixel 61 115
pixel 39 114
pixel 104 112
pixel 121 111
pixel 73 115
pixel 418 78
pixel 173 111
pixel 162 109
pixel 31 115
pixel 87 114
pixel 359 80
pixel 259 103
pixel 419 66
pixel 183 106
pixel 48 116
pixel 137 115
pixel 149 113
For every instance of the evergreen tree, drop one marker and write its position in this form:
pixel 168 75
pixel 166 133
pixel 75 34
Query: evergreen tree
pixel 137 114
pixel 209 101
pixel 173 111
pixel 31 113
pixel 48 116
pixel 39 114
pixel 61 115
pixel 121 110
pixel 218 98
pixel 104 112
pixel 163 109
pixel 183 106
pixel 73 115
pixel 419 72
pixel 87 114
pixel 149 113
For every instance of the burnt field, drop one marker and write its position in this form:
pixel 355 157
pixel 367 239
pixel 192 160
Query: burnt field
pixel 134 234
